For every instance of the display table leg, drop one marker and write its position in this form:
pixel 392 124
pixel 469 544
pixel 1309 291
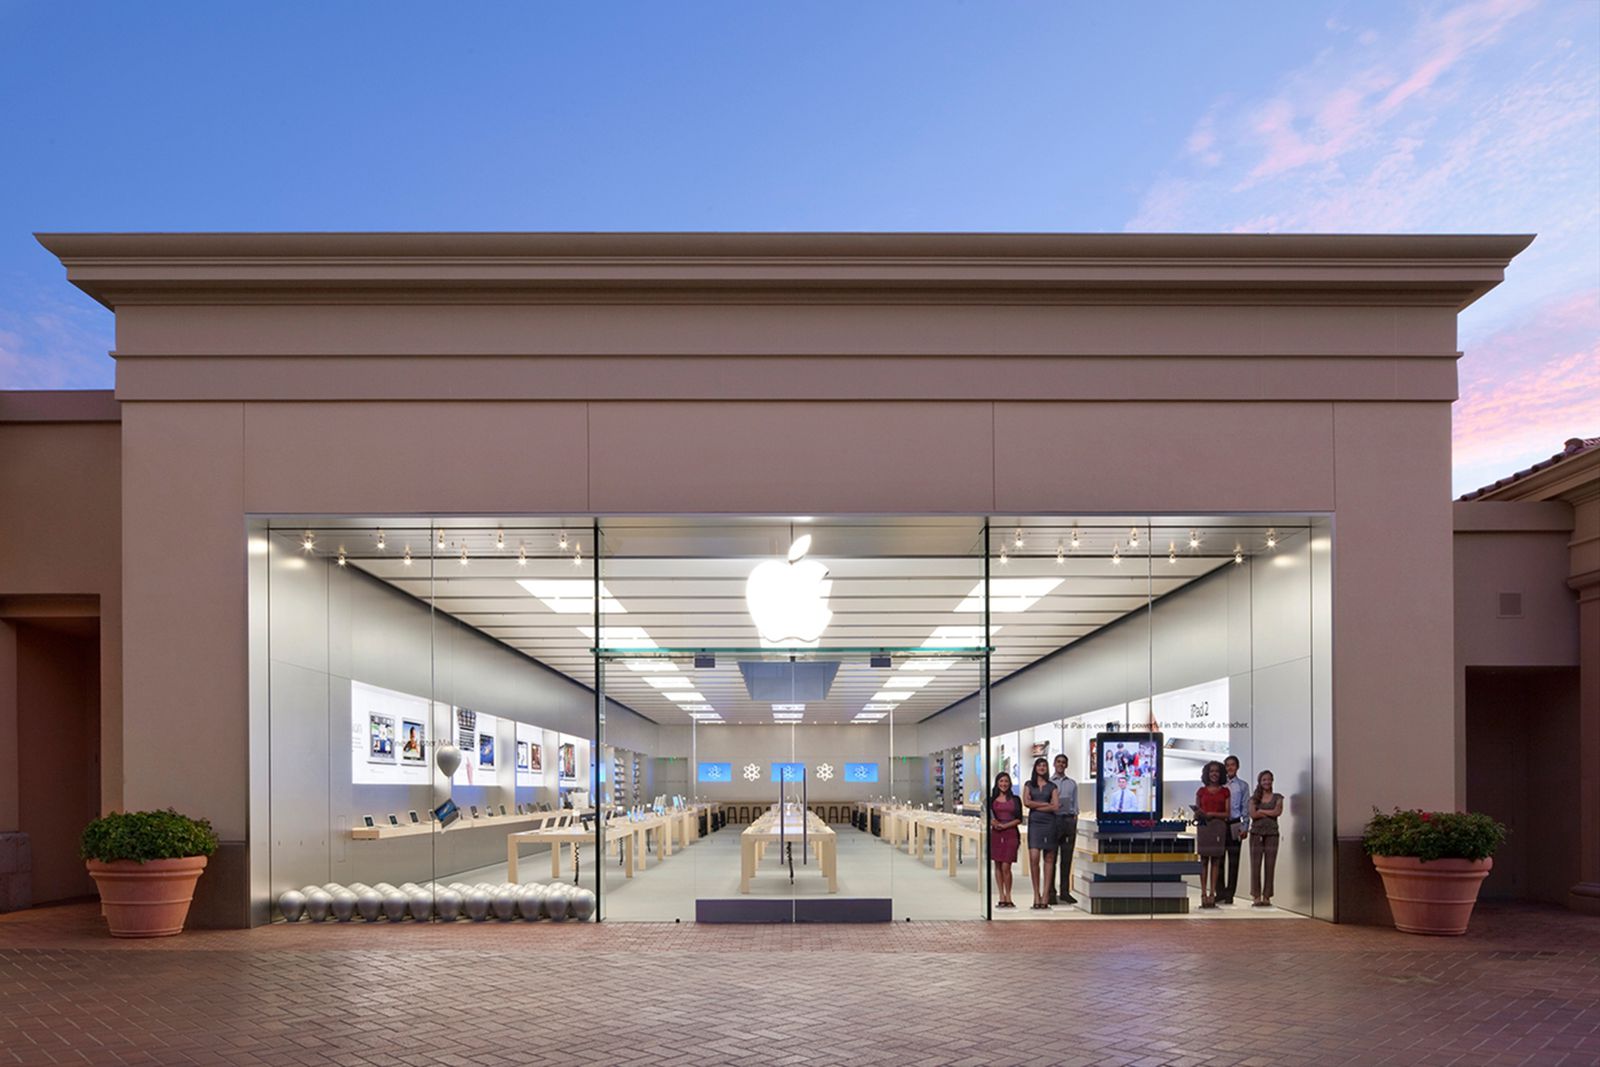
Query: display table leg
pixel 830 866
pixel 747 864
pixel 625 846
pixel 555 861
pixel 511 860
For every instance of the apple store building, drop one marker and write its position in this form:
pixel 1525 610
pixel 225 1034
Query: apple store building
pixel 730 577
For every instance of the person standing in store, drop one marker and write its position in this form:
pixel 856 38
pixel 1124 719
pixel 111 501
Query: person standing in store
pixel 1066 829
pixel 1266 807
pixel 1238 826
pixel 1211 829
pixel 1005 816
pixel 1040 798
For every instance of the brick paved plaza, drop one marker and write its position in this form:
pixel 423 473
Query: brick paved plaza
pixel 1522 988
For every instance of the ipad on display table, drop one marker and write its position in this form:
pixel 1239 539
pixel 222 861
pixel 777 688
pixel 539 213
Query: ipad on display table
pixel 446 813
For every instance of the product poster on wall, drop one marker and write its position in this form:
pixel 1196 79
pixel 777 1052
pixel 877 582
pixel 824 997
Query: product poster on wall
pixel 413 741
pixel 381 721
pixel 522 755
pixel 486 751
pixel 466 730
pixel 569 762
pixel 535 756
pixel 380 736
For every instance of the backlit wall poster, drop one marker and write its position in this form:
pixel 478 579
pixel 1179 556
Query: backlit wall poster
pixel 569 762
pixel 380 737
pixel 381 721
pixel 861 772
pixel 413 740
pixel 477 736
pixel 530 755
pixel 787 772
pixel 1195 722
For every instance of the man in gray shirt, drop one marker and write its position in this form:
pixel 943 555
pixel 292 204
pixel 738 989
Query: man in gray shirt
pixel 1066 829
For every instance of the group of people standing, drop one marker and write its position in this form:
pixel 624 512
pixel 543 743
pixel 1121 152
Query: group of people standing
pixel 1226 813
pixel 1049 805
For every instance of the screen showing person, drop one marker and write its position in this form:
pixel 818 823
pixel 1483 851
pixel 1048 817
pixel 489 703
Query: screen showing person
pixel 1129 777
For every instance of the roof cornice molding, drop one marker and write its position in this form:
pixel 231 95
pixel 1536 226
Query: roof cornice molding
pixel 128 268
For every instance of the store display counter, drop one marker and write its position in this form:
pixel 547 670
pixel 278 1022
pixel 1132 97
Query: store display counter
pixel 537 820
pixel 796 827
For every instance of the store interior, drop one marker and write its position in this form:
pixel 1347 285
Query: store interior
pixel 767 718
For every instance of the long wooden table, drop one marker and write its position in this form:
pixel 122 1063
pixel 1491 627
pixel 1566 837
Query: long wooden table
pixel 630 837
pixel 764 831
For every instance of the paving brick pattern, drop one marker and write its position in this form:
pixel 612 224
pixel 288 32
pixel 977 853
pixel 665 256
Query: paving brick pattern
pixel 1522 988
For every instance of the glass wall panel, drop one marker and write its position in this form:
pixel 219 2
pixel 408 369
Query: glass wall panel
pixel 416 741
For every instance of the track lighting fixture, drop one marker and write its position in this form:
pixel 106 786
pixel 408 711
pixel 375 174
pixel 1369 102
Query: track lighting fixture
pixel 1133 537
pixel 1116 555
pixel 341 556
pixel 500 540
pixel 441 541
pixel 380 539
pixel 1074 538
pixel 1004 560
pixel 1172 552
pixel 522 555
pixel 406 559
pixel 561 543
pixel 1238 553
pixel 1061 555
pixel 308 542
pixel 464 555
pixel 1194 538
pixel 1272 539
pixel 1017 537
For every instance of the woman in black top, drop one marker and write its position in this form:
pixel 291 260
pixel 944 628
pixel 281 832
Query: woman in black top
pixel 1039 797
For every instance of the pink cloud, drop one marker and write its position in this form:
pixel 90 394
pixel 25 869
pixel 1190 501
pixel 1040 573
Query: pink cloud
pixel 1529 386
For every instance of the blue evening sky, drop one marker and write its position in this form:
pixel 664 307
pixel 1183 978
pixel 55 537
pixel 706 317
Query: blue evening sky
pixel 1475 116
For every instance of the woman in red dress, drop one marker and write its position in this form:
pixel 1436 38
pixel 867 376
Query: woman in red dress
pixel 1005 815
pixel 1211 802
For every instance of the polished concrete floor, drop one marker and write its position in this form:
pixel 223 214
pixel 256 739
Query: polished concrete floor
pixel 1522 988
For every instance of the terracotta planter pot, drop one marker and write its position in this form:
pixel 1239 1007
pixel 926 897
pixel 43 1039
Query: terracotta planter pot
pixel 148 899
pixel 1432 896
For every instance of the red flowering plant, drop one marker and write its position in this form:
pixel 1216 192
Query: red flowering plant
pixel 1433 835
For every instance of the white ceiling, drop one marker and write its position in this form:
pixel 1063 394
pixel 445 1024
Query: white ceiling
pixel 894 582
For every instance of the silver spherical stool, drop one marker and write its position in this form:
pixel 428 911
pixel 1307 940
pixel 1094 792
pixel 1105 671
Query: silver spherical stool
pixel 343 907
pixel 448 903
pixel 530 902
pixel 394 905
pixel 318 904
pixel 558 901
pixel 476 905
pixel 582 904
pixel 293 905
pixel 421 905
pixel 369 904
pixel 504 902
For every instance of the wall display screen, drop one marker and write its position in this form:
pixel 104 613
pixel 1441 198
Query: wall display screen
pixel 715 772
pixel 788 772
pixel 1129 782
pixel 861 772
pixel 388 736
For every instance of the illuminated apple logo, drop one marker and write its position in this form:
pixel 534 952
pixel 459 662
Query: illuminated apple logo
pixel 789 600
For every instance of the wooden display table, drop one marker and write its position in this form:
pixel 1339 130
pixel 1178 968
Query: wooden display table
pixel 765 830
pixel 631 839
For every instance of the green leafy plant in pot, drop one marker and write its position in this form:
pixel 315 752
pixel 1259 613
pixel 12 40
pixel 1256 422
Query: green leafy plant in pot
pixel 146 864
pixel 1432 864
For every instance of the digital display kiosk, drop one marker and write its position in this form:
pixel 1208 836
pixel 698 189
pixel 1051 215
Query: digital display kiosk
pixel 1128 784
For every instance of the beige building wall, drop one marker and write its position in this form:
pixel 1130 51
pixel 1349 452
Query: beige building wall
pixel 548 375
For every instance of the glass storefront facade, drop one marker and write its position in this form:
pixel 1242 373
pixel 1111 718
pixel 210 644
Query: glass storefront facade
pixel 778 718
